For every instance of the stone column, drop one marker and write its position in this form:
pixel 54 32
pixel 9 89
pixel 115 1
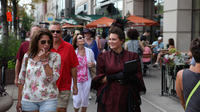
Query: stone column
pixel 177 23
pixel 134 7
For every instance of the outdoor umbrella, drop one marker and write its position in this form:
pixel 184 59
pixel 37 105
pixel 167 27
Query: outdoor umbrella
pixel 67 25
pixel 140 21
pixel 102 22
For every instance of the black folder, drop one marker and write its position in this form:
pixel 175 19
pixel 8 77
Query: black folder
pixel 130 67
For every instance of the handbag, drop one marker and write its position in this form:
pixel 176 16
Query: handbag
pixel 92 71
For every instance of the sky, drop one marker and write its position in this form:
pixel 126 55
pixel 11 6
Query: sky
pixel 21 2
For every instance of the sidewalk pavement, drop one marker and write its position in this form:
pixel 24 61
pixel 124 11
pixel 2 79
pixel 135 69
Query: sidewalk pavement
pixel 152 101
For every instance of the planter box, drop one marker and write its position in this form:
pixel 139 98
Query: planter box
pixel 9 76
pixel 6 103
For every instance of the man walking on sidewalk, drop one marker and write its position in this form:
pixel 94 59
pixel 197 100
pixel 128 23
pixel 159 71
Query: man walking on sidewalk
pixel 69 63
pixel 22 50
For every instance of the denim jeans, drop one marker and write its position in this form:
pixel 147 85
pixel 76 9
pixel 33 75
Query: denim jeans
pixel 43 106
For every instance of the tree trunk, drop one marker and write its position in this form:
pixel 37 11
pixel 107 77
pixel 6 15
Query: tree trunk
pixel 15 4
pixel 4 18
pixel 5 36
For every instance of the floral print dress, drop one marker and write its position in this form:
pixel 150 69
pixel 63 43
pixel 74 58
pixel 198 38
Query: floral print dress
pixel 37 85
pixel 82 68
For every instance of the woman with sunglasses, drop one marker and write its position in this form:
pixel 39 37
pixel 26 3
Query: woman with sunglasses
pixel 86 60
pixel 37 90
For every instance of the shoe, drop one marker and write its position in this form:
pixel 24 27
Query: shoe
pixel 155 65
pixel 90 97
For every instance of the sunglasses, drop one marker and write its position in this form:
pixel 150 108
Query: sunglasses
pixel 81 37
pixel 57 31
pixel 45 41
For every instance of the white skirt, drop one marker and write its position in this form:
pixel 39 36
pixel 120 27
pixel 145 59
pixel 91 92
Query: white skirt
pixel 82 98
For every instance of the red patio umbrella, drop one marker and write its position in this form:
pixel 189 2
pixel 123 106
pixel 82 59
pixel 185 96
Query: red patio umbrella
pixel 67 25
pixel 140 21
pixel 102 22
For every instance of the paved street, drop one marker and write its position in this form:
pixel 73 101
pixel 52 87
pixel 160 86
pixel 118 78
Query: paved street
pixel 152 101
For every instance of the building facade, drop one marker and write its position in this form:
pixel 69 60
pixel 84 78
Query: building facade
pixel 53 9
pixel 83 6
pixel 181 22
pixel 38 13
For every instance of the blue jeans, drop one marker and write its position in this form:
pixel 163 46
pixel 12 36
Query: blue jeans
pixel 43 106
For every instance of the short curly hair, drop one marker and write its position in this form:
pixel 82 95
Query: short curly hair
pixel 195 49
pixel 133 34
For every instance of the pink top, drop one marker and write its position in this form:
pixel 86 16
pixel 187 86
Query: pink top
pixel 82 69
pixel 147 50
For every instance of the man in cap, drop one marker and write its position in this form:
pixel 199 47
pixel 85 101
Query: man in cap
pixel 157 46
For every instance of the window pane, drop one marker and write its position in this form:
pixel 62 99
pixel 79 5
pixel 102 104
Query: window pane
pixel 196 4
pixel 196 19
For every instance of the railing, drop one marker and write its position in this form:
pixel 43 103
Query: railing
pixel 169 78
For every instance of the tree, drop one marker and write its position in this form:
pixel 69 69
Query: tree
pixel 5 36
pixel 4 18
pixel 26 20
pixel 15 10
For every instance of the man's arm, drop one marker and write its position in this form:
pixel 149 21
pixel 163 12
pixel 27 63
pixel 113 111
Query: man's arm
pixel 17 70
pixel 74 77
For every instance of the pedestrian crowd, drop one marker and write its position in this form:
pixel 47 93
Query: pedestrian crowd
pixel 55 63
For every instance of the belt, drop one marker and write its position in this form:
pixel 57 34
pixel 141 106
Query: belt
pixel 121 81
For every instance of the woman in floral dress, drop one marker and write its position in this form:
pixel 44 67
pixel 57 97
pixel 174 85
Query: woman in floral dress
pixel 86 59
pixel 37 90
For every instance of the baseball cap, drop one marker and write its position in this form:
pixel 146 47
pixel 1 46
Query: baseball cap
pixel 159 38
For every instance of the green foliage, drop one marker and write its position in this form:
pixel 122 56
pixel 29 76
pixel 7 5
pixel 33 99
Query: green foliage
pixel 8 50
pixel 26 20
pixel 11 64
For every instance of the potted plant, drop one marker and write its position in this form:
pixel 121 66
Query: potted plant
pixel 8 52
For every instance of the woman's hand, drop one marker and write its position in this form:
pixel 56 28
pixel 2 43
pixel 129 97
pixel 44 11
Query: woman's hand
pixel 19 106
pixel 91 64
pixel 104 80
pixel 43 55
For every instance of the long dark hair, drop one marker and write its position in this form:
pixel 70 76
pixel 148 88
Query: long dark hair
pixel 33 47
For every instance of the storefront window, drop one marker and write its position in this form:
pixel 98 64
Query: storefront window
pixel 196 18
pixel 110 9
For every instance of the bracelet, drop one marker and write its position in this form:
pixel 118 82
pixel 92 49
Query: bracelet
pixel 44 61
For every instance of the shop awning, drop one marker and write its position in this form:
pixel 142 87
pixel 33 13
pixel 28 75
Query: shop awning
pixel 102 22
pixel 140 21
pixel 89 17
pixel 67 25
pixel 67 20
